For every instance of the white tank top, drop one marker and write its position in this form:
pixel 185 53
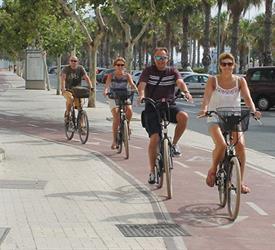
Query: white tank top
pixel 224 98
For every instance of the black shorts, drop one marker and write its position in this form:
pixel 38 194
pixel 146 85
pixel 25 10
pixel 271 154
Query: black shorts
pixel 151 123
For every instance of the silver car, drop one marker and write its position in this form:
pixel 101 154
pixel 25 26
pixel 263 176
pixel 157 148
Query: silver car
pixel 196 83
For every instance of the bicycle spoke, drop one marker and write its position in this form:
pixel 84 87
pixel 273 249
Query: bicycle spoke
pixel 83 126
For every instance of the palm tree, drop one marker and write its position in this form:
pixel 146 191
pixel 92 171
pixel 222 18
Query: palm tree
pixel 267 53
pixel 237 8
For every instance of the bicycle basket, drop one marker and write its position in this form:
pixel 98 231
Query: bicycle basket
pixel 122 95
pixel 81 92
pixel 233 118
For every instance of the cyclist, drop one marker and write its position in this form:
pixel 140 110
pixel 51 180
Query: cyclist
pixel 119 79
pixel 71 76
pixel 156 82
pixel 225 90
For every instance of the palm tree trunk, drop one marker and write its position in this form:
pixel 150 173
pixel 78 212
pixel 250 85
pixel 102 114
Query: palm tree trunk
pixel 267 54
pixel 206 60
pixel 184 46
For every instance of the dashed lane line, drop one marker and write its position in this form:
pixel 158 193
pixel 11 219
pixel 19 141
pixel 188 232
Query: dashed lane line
pixel 51 129
pixel 261 170
pixel 181 164
pixel 200 174
pixel 32 125
pixel 256 208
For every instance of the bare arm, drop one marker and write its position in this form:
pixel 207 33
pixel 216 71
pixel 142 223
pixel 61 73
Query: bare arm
pixel 131 83
pixel 141 88
pixel 62 81
pixel 107 84
pixel 182 86
pixel 245 93
pixel 88 80
pixel 209 88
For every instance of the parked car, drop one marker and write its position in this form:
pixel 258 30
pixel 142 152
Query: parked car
pixel 105 74
pixel 186 73
pixel 53 69
pixel 196 83
pixel 261 83
pixel 136 75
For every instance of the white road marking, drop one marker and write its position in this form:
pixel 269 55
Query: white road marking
pixel 32 125
pixel 98 139
pixel 200 174
pixel 256 208
pixel 51 129
pixel 181 164
pixel 132 146
pixel 92 143
pixel 239 219
pixel 199 158
pixel 261 170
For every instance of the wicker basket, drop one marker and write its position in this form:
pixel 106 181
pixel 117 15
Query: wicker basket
pixel 81 92
pixel 122 95
pixel 234 118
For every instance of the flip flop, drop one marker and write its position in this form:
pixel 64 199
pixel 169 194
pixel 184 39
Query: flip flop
pixel 245 189
pixel 211 177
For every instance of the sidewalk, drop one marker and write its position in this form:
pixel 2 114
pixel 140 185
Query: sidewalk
pixel 55 196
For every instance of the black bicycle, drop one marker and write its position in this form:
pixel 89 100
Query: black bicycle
pixel 122 97
pixel 228 175
pixel 164 160
pixel 78 123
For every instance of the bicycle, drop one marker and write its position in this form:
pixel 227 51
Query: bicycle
pixel 228 175
pixel 164 160
pixel 123 97
pixel 80 122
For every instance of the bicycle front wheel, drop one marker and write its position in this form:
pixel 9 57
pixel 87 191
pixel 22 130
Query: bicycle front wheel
pixel 222 184
pixel 69 126
pixel 234 188
pixel 83 126
pixel 125 138
pixel 167 164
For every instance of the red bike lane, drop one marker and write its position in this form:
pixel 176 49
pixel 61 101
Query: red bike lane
pixel 194 206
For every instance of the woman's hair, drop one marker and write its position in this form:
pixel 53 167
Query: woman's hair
pixel 226 55
pixel 119 58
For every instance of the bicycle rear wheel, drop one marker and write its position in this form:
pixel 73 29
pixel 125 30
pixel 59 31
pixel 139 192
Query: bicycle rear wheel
pixel 234 188
pixel 69 126
pixel 83 126
pixel 167 164
pixel 159 170
pixel 222 184
pixel 125 138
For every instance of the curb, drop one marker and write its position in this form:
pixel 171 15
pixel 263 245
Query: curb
pixel 2 154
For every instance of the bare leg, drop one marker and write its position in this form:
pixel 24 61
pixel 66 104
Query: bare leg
pixel 217 153
pixel 182 119
pixel 240 151
pixel 115 126
pixel 152 150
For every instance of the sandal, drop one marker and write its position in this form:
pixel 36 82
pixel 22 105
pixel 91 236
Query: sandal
pixel 245 189
pixel 211 178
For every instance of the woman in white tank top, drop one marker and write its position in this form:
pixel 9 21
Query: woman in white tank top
pixel 225 90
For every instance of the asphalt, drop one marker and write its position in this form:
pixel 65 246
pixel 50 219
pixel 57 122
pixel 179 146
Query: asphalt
pixel 57 195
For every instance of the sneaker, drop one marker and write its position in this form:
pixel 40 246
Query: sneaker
pixel 176 150
pixel 151 179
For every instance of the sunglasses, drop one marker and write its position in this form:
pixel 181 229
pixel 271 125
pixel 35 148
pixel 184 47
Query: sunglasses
pixel 74 61
pixel 230 64
pixel 120 65
pixel 161 58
